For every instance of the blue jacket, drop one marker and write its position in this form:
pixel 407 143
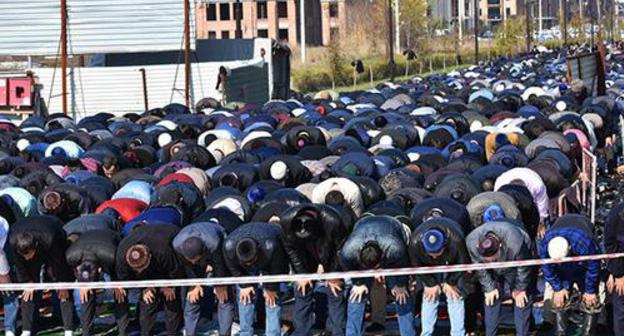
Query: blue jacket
pixel 212 236
pixel 562 276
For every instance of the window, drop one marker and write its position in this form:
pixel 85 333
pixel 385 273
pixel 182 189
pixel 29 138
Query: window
pixel 333 10
pixel 262 10
pixel 282 34
pixel 493 2
pixel 225 34
pixel 263 33
pixel 211 12
pixel 334 33
pixel 493 13
pixel 238 10
pixel 282 9
pixel 508 11
pixel 212 34
pixel 224 10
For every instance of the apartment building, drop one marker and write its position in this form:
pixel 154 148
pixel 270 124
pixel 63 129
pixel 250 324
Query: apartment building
pixel 276 19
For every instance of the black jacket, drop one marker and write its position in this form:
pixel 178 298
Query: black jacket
pixel 392 239
pixel 455 252
pixel 614 240
pixel 271 259
pixel 75 202
pixel 164 264
pixel 51 246
pixel 98 246
pixel 306 255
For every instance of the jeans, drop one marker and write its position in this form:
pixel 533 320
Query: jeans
pixel 88 310
pixel 173 314
pixel 355 317
pixel 522 316
pixel 304 310
pixel 246 313
pixel 11 308
pixel 225 314
pixel 429 316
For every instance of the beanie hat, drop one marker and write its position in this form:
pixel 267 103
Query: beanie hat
pixel 558 248
pixel 138 256
pixel 433 241
pixel 489 246
pixel 492 213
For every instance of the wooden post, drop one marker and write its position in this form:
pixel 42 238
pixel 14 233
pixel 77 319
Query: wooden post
pixel 187 53
pixel 430 63
pixel 372 78
pixel 145 98
pixel 64 53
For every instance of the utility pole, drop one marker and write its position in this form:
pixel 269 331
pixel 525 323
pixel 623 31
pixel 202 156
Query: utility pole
pixel 476 30
pixel 541 16
pixel 461 7
pixel 302 30
pixel 563 5
pixel 187 53
pixel 397 27
pixel 64 53
pixel 529 31
pixel 391 40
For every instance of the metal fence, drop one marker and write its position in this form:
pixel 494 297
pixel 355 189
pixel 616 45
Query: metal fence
pixel 583 189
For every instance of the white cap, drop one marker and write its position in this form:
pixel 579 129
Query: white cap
pixel 278 170
pixel 164 139
pixel 22 144
pixel 558 248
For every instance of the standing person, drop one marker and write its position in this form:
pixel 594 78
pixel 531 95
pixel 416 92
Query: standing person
pixel 147 254
pixel 377 242
pixel 39 242
pixel 614 243
pixel 92 257
pixel 498 241
pixel 256 249
pixel 438 242
pixel 10 300
pixel 221 82
pixel 571 235
pixel 201 245
pixel 312 235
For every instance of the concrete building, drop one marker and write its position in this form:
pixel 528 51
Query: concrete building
pixel 276 19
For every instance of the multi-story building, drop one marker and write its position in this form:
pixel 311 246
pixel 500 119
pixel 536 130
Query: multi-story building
pixel 276 19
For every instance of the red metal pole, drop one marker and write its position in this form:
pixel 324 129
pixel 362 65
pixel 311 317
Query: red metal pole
pixel 187 52
pixel 64 53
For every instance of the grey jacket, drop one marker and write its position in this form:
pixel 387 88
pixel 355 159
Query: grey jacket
pixel 516 245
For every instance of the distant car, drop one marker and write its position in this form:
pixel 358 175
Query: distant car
pixel 487 35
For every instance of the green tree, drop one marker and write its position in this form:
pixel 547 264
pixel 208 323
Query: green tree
pixel 336 63
pixel 414 21
pixel 510 35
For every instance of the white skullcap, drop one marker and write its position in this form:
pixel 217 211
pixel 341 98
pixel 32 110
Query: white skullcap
pixel 558 248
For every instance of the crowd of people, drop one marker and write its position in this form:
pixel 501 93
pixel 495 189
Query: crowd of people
pixel 454 169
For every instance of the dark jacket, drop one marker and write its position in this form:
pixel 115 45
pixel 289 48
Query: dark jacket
pixel 516 245
pixel 296 174
pixel 75 202
pixel 212 236
pixel 90 222
pixel 51 246
pixel 164 264
pixel 98 246
pixel 306 255
pixel 614 240
pixel 392 239
pixel 271 259
pixel 455 252
pixel 38 180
